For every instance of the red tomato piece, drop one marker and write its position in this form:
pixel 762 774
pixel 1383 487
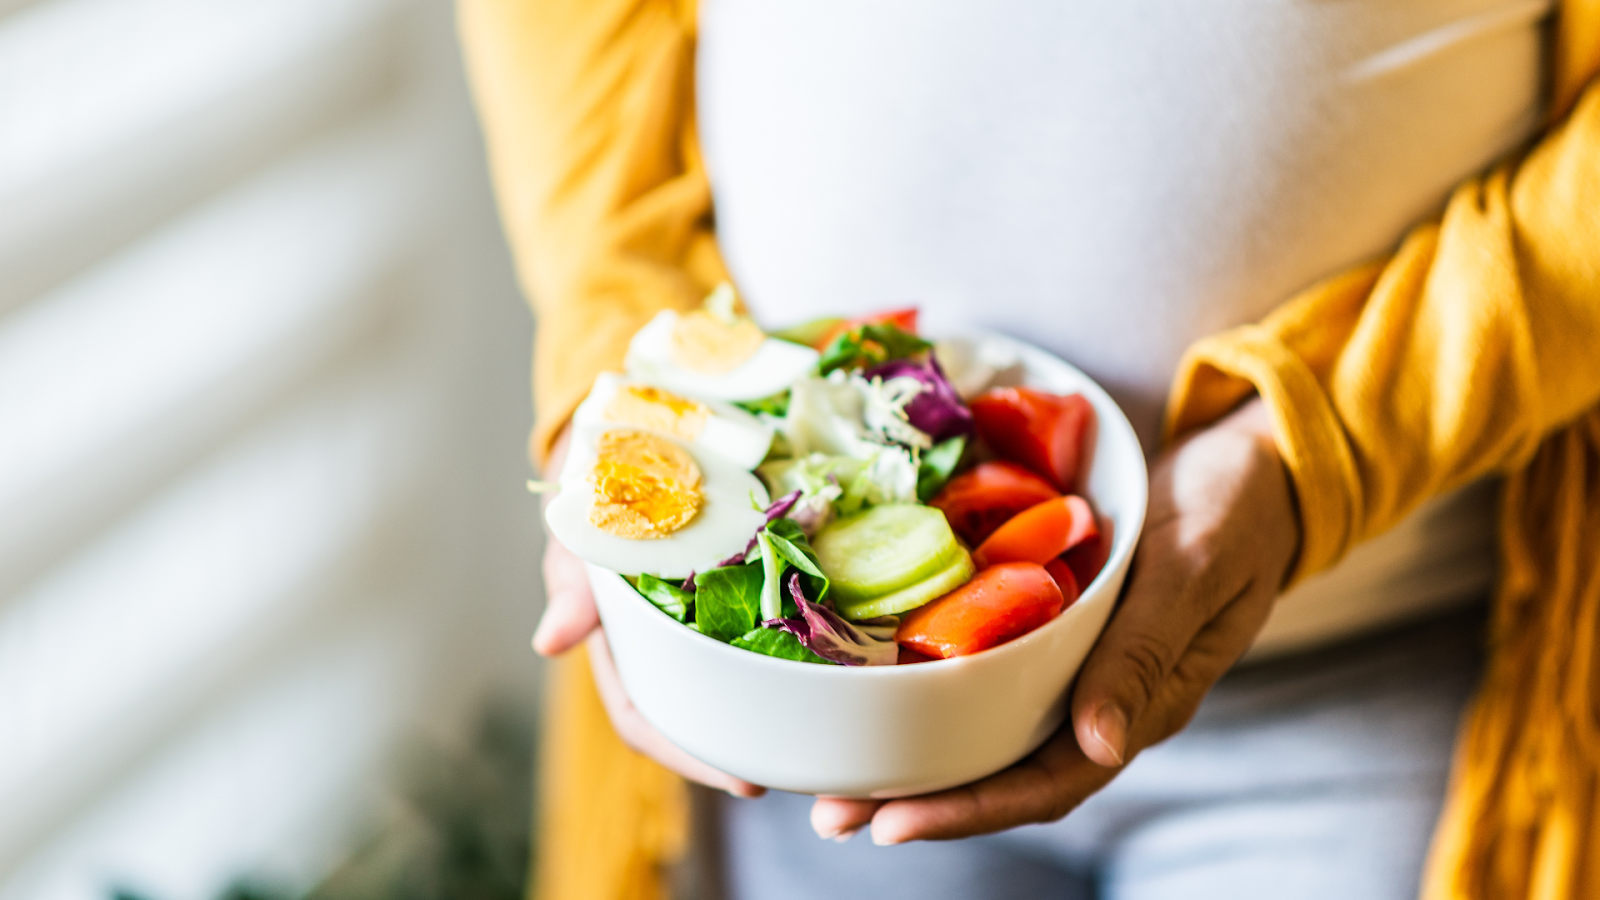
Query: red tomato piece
pixel 1062 573
pixel 1088 558
pixel 1045 432
pixel 1039 533
pixel 903 319
pixel 997 605
pixel 980 501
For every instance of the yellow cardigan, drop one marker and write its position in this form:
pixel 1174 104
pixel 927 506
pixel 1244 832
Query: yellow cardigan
pixel 1473 349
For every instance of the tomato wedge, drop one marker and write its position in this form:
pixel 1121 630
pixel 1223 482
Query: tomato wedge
pixel 980 501
pixel 997 605
pixel 1088 558
pixel 903 319
pixel 1040 533
pixel 1042 431
pixel 1068 582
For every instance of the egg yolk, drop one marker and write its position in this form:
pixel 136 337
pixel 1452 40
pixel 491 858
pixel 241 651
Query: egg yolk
pixel 645 486
pixel 705 343
pixel 653 408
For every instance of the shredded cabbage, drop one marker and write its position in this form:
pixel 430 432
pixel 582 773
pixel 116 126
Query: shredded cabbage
pixel 933 409
pixel 832 486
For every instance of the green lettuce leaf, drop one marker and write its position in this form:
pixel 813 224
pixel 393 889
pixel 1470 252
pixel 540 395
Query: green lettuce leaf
pixel 784 546
pixel 808 333
pixel 776 405
pixel 667 597
pixel 771 577
pixel 779 643
pixel 937 465
pixel 790 543
pixel 869 345
pixel 727 601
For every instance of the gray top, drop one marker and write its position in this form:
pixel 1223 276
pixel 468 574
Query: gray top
pixel 1110 180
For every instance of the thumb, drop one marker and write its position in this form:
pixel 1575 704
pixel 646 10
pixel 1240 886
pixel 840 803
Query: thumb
pixel 570 612
pixel 1147 636
pixel 1219 537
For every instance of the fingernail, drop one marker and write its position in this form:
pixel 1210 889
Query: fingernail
pixel 1110 730
pixel 843 836
pixel 882 841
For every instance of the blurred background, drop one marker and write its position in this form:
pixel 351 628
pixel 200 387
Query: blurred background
pixel 267 562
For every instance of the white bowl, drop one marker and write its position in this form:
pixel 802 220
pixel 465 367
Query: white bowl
pixel 886 731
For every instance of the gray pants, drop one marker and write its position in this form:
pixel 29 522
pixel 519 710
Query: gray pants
pixel 1316 776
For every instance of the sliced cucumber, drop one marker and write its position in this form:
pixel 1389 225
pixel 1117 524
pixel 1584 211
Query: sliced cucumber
pixel 884 549
pixel 905 599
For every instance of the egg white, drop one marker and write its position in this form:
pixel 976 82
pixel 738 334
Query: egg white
pixel 727 518
pixel 774 366
pixel 730 432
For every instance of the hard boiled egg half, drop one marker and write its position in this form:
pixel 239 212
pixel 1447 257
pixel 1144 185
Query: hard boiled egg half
pixel 705 427
pixel 636 501
pixel 711 354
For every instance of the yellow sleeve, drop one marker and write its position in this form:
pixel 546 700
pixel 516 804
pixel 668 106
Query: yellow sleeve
pixel 1473 349
pixel 1450 360
pixel 588 112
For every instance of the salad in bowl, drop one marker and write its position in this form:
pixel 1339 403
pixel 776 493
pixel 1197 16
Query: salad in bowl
pixel 829 495
pixel 843 558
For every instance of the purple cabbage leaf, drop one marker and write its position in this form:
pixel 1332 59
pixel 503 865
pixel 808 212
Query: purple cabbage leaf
pixel 827 634
pixel 937 410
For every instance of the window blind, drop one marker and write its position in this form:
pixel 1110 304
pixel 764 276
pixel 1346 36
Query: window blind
pixel 262 405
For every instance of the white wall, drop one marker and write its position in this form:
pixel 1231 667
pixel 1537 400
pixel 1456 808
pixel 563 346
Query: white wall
pixel 263 404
